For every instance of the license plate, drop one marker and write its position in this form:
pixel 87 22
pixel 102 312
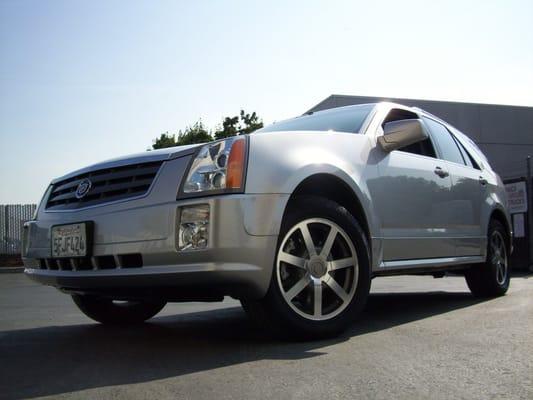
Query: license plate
pixel 70 240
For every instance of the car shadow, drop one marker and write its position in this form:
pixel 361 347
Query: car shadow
pixel 61 359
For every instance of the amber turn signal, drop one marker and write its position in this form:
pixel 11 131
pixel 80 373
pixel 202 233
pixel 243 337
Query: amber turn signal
pixel 235 168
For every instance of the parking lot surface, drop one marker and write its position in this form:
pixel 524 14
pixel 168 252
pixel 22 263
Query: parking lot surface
pixel 418 338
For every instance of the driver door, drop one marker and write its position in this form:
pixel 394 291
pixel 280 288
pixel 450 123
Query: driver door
pixel 411 197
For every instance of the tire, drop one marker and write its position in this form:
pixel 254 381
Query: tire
pixel 491 278
pixel 106 311
pixel 315 295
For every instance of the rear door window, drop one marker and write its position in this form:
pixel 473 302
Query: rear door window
pixel 449 150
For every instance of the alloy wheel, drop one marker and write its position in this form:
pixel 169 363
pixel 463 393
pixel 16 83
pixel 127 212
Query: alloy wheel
pixel 317 269
pixel 499 256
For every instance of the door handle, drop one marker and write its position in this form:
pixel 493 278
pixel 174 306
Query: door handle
pixel 482 181
pixel 440 172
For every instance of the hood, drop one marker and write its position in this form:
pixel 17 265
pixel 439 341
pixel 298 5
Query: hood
pixel 168 153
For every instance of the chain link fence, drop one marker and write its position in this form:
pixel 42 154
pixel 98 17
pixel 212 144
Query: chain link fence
pixel 12 218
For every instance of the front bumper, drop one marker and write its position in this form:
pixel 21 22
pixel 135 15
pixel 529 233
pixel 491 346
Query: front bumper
pixel 238 261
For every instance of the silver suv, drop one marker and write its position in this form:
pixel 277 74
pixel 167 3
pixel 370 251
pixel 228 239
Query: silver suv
pixel 293 220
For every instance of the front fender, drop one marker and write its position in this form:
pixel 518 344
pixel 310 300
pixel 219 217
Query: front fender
pixel 279 162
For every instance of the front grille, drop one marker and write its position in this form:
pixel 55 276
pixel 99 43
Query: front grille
pixel 92 263
pixel 109 184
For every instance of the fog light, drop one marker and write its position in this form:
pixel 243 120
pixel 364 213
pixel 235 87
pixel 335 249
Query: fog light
pixel 193 232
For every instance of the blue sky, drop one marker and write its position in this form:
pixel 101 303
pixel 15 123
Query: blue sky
pixel 85 81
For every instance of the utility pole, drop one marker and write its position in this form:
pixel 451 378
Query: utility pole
pixel 529 214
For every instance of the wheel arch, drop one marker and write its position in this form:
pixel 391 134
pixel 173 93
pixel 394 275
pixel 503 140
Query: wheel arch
pixel 500 216
pixel 336 189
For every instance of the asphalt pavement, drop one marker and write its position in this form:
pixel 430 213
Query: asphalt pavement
pixel 418 338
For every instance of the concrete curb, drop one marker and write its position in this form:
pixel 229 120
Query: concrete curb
pixel 7 270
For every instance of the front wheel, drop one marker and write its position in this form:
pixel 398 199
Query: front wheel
pixel 491 278
pixel 109 311
pixel 321 276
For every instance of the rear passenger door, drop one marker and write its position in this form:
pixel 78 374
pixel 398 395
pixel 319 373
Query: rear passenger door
pixel 466 193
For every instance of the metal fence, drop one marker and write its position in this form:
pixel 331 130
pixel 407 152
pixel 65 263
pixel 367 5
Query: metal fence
pixel 12 218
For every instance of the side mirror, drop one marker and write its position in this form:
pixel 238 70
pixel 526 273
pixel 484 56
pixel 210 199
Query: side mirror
pixel 397 134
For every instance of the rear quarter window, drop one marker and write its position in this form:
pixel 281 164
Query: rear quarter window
pixel 473 150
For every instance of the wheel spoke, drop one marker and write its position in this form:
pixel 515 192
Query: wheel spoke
pixel 339 291
pixel 494 242
pixel 498 258
pixel 326 249
pixel 292 260
pixel 318 299
pixel 308 240
pixel 500 272
pixel 341 263
pixel 298 287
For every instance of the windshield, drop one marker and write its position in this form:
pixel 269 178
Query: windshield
pixel 344 119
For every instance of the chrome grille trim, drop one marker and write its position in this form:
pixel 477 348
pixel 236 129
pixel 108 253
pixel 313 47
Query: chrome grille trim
pixel 108 185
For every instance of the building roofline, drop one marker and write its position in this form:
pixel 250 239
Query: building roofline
pixel 400 99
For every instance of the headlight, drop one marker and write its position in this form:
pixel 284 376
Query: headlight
pixel 218 168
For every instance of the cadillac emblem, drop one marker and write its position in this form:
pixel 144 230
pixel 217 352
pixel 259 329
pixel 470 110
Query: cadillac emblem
pixel 83 188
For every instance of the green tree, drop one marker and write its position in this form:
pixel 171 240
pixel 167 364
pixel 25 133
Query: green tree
pixel 190 135
pixel 165 140
pixel 242 123
pixel 194 134
pixel 251 122
pixel 197 133
pixel 230 127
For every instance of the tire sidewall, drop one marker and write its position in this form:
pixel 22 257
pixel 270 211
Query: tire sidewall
pixel 481 278
pixel 497 226
pixel 314 207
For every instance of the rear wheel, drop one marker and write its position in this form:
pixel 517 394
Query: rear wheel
pixel 492 277
pixel 109 311
pixel 321 273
